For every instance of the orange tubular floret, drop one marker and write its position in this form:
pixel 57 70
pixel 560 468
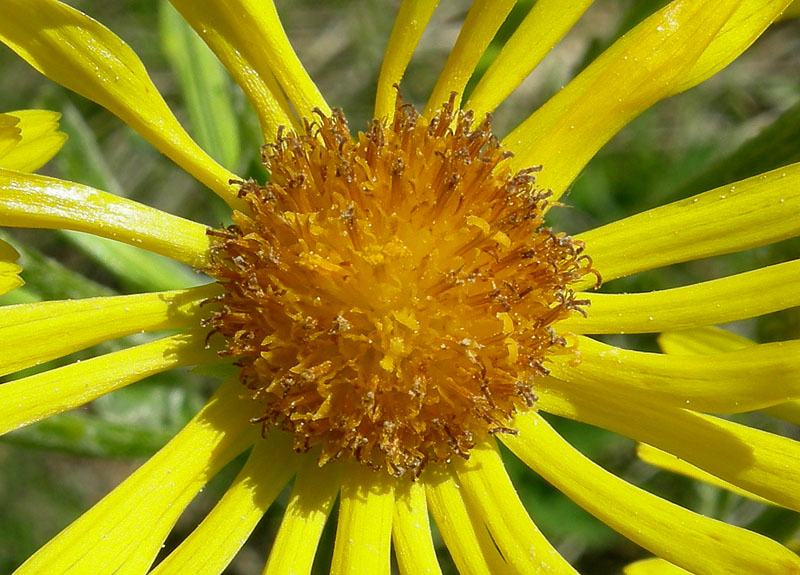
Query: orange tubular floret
pixel 391 296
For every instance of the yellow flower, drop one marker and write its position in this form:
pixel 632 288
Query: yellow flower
pixel 28 139
pixel 281 273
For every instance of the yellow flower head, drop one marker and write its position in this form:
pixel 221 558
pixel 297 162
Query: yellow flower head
pixel 394 305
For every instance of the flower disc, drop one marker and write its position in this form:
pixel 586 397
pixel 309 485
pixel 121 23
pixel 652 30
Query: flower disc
pixel 390 296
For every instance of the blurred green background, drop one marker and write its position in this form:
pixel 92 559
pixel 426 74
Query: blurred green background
pixel 743 121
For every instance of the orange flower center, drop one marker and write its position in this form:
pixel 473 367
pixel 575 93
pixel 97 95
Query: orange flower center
pixel 391 297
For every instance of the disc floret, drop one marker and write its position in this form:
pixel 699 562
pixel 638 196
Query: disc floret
pixel 392 296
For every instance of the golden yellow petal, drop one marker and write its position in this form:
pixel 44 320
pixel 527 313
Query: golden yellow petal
pixel 35 397
pixel 747 214
pixel 83 55
pixel 488 488
pixel 466 537
pixel 653 567
pixel 37 332
pixel 757 461
pixel 702 545
pixel 714 383
pixel 32 201
pixel 9 270
pixel 741 296
pixel 482 22
pixel 212 545
pixel 39 140
pixel 412 17
pixel 363 534
pixel 123 533
pixel 295 545
pixel 542 28
pixel 640 69
pixel 669 462
pixel 239 22
pixel 230 39
pixel 411 531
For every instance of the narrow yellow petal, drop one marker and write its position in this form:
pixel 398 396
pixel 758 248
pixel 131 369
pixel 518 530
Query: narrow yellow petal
pixel 700 544
pixel 37 332
pixel 411 531
pixel 239 22
pixel 715 340
pixel 750 213
pixel 760 462
pixel 714 383
pixel 9 270
pixel 32 201
pixel 736 297
pixel 123 533
pixel 35 397
pixel 701 341
pixel 488 488
pixel 749 21
pixel 410 23
pixel 212 545
pixel 295 545
pixel 229 38
pixel 653 567
pixel 364 531
pixel 640 69
pixel 669 462
pixel 468 540
pixel 480 26
pixel 81 54
pixel 39 141
pixel 542 28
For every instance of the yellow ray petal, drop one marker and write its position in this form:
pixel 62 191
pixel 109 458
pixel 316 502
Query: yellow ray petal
pixel 410 23
pixel 224 32
pixel 486 484
pixel 239 22
pixel 124 531
pixel 635 73
pixel 81 54
pixel 9 270
pixel 411 531
pixel 481 24
pixel 295 545
pixel 760 462
pixel 702 545
pixel 10 134
pixel 669 462
pixel 716 383
pixel 749 21
pixel 736 297
pixel 751 213
pixel 468 540
pixel 363 534
pixel 715 340
pixel 35 397
pixel 542 28
pixel 212 545
pixel 27 200
pixel 653 567
pixel 701 341
pixel 39 141
pixel 37 332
